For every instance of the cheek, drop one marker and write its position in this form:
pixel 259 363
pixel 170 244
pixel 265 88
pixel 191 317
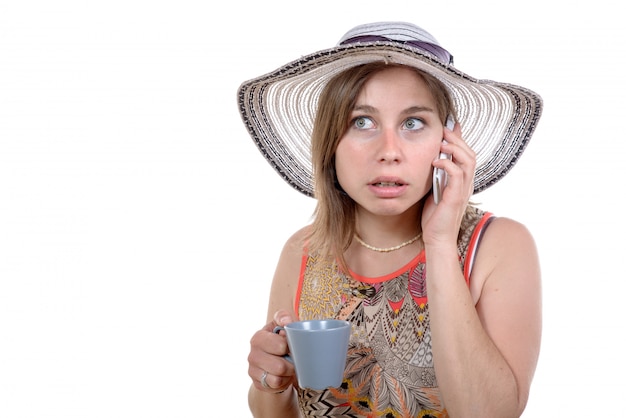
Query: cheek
pixel 346 162
pixel 423 163
pixel 431 153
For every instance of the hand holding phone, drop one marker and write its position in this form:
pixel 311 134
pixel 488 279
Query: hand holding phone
pixel 440 177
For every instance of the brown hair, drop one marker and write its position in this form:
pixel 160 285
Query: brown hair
pixel 334 219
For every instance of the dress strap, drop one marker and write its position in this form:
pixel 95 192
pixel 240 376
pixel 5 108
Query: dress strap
pixel 477 223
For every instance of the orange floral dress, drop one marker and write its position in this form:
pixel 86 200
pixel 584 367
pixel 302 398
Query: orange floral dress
pixel 389 370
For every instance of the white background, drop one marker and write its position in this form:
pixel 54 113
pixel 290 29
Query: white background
pixel 140 227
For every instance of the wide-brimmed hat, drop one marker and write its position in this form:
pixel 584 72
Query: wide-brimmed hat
pixel 278 108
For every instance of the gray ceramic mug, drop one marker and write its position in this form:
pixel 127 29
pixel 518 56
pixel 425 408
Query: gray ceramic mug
pixel 318 350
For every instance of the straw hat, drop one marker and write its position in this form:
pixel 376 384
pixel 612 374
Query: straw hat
pixel 279 108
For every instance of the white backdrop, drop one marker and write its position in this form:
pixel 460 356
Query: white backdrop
pixel 140 227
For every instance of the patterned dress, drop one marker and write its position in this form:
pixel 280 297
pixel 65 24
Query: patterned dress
pixel 389 371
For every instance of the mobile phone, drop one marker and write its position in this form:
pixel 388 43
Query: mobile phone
pixel 440 177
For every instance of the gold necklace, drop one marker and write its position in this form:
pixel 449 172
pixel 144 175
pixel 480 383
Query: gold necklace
pixel 386 250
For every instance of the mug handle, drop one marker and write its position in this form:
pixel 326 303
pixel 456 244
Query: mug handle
pixel 277 330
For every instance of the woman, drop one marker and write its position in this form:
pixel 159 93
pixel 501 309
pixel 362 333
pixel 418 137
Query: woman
pixel 444 298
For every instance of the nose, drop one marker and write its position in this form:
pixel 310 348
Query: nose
pixel 390 148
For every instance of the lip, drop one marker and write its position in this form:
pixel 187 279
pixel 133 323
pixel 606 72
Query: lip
pixel 387 187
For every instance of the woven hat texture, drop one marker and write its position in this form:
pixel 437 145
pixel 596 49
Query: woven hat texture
pixel 278 108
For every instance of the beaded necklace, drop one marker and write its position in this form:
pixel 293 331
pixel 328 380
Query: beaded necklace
pixel 386 250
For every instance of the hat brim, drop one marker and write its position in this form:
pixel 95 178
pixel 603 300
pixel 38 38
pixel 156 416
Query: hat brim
pixel 278 109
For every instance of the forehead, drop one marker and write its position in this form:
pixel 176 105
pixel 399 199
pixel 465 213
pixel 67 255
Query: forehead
pixel 396 85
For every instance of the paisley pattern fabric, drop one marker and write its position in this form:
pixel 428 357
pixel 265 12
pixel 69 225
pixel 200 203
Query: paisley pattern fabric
pixel 389 370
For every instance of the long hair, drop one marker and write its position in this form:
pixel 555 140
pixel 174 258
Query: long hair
pixel 334 221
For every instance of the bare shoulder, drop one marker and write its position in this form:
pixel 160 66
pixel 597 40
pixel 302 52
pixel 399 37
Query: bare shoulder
pixel 507 253
pixel 293 250
pixel 509 230
pixel 287 273
pixel 297 241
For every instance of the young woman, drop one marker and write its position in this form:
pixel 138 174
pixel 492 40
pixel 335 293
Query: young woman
pixel 444 298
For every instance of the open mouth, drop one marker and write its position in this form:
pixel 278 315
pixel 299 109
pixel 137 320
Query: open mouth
pixel 387 184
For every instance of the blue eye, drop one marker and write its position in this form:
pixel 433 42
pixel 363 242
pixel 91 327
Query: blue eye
pixel 413 124
pixel 363 122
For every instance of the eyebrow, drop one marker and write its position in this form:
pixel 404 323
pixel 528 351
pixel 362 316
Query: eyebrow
pixel 418 109
pixel 408 111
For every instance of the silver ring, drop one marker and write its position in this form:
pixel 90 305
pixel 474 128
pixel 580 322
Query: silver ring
pixel 263 381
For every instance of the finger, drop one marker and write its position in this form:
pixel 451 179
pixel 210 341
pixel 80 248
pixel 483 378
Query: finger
pixel 268 382
pixel 267 342
pixel 282 317
pixel 461 154
pixel 460 179
pixel 263 380
pixel 455 137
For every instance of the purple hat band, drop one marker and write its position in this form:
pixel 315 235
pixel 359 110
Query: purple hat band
pixel 433 49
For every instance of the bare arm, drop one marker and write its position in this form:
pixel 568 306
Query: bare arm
pixel 486 341
pixel 267 348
